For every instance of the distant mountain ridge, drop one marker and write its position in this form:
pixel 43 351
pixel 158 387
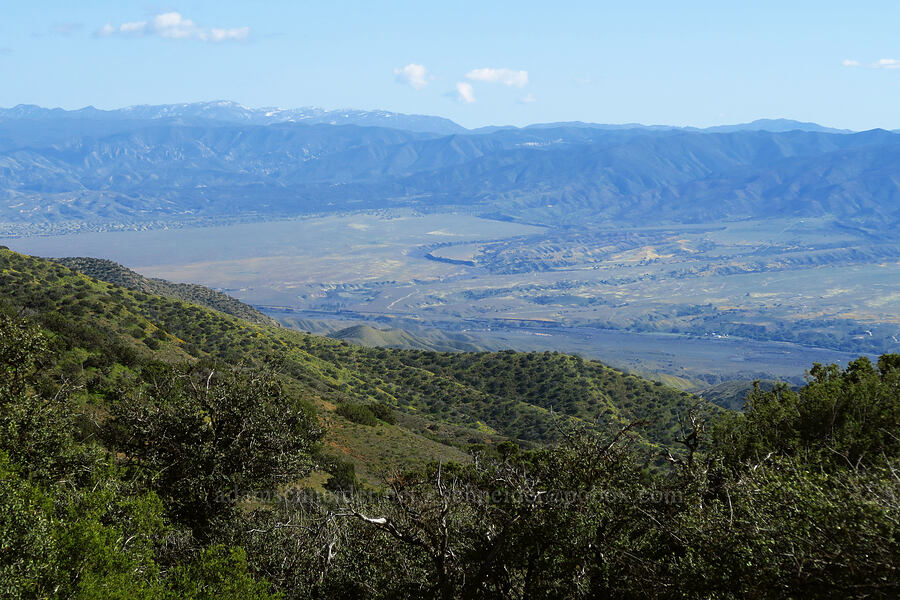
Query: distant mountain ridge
pixel 174 163
pixel 775 126
pixel 771 125
pixel 233 112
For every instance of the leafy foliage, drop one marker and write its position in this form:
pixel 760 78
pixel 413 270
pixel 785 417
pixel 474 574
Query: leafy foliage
pixel 358 413
pixel 73 524
pixel 843 416
pixel 127 472
pixel 207 437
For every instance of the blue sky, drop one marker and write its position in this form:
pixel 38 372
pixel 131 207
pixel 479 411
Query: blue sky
pixel 488 62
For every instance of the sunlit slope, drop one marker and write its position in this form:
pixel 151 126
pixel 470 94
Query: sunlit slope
pixel 111 272
pixel 366 335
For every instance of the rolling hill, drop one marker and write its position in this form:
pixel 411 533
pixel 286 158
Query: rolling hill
pixel 444 401
pixel 366 335
pixel 111 272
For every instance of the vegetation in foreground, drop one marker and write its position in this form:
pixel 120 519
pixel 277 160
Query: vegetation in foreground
pixel 139 472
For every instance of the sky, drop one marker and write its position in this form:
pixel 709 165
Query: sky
pixel 697 63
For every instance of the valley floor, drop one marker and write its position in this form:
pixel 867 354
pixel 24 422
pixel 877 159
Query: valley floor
pixel 769 296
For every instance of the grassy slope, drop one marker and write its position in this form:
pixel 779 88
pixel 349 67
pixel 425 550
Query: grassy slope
pixel 111 272
pixel 366 335
pixel 733 394
pixel 457 398
pixel 412 338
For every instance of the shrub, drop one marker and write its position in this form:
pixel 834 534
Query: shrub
pixel 358 413
pixel 384 413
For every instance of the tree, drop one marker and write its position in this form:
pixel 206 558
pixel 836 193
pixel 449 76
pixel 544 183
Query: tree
pixel 205 438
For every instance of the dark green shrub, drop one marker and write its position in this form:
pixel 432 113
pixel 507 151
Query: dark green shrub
pixel 343 475
pixel 358 413
pixel 384 413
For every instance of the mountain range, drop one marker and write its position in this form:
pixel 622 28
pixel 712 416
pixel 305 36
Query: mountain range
pixel 232 112
pixel 210 160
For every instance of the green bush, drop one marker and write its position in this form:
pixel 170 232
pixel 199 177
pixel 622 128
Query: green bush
pixel 358 413
pixel 343 475
pixel 384 413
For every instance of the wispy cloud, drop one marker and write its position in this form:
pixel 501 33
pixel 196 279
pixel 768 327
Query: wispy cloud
pixel 508 77
pixel 465 93
pixel 174 26
pixel 887 63
pixel 412 74
pixel 881 63
pixel 527 99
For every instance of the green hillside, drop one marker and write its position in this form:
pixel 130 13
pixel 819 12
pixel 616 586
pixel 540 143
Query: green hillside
pixel 488 396
pixel 157 449
pixel 408 338
pixel 366 335
pixel 733 394
pixel 111 272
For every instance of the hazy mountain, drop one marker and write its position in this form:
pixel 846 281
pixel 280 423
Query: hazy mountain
pixel 773 125
pixel 776 126
pixel 605 126
pixel 687 177
pixel 232 112
pixel 205 160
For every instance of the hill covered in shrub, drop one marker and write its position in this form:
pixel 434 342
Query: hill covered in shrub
pixel 153 448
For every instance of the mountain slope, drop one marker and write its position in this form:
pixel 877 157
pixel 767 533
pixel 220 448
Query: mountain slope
pixel 366 335
pixel 733 394
pixel 111 272
pixel 150 166
pixel 457 398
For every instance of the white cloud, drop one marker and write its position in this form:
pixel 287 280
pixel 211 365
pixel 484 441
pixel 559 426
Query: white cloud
pixel 465 93
pixel 887 63
pixel 413 74
pixel 174 26
pixel 851 63
pixel 528 99
pixel 218 34
pixel 505 76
